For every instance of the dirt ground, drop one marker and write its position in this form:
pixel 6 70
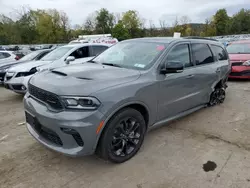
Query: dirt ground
pixel 210 148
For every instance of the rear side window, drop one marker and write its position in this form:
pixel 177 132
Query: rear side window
pixel 202 54
pixel 97 50
pixel 219 52
pixel 180 54
pixel 6 55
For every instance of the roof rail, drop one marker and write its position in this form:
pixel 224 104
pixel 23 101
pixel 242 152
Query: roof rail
pixel 203 38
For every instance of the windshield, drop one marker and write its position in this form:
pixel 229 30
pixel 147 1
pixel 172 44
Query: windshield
pixel 131 54
pixel 56 54
pixel 237 48
pixel 30 56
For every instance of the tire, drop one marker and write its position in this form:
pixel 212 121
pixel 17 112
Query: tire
pixel 123 136
pixel 217 96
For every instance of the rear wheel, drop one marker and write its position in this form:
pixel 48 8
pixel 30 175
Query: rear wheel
pixel 123 136
pixel 217 97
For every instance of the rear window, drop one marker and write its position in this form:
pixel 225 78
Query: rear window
pixel 238 48
pixel 219 52
pixel 202 54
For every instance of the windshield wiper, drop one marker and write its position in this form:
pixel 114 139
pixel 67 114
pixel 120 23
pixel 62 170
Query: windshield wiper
pixel 91 61
pixel 112 64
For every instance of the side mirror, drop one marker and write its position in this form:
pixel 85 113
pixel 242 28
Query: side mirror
pixel 172 67
pixel 70 58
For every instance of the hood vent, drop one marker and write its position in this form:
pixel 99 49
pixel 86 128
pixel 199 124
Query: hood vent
pixel 60 73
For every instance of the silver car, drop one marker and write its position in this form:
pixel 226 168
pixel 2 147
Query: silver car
pixel 106 106
pixel 17 77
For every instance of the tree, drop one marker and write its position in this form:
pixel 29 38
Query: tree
pixel 104 21
pixel 132 23
pixel 90 24
pixel 240 22
pixel 221 21
pixel 120 32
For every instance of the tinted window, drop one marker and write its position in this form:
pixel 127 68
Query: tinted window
pixel 238 48
pixel 219 52
pixel 81 52
pixel 180 54
pixel 97 50
pixel 6 55
pixel 42 54
pixel 202 54
pixel 1 55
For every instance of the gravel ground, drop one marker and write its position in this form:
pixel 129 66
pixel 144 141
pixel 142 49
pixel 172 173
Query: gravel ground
pixel 209 148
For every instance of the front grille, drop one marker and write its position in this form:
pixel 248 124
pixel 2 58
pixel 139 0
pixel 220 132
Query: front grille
pixel 243 73
pixel 78 139
pixel 236 63
pixel 47 97
pixel 2 75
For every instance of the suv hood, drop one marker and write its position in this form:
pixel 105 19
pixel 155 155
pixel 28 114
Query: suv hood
pixel 82 79
pixel 25 67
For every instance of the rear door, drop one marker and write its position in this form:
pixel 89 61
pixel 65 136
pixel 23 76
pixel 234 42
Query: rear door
pixel 207 72
pixel 222 61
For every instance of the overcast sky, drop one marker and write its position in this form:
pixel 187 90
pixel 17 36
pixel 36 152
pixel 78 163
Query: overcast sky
pixel 78 10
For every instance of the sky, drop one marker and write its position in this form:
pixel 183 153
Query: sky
pixel 78 10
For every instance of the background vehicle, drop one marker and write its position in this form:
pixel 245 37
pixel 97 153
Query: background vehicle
pixel 7 56
pixel 33 56
pixel 239 53
pixel 107 105
pixel 101 38
pixel 17 77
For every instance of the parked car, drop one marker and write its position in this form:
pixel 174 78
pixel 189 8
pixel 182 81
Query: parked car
pixel 7 56
pixel 109 103
pixel 17 77
pixel 33 56
pixel 239 53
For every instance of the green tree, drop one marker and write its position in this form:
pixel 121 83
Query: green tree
pixel 120 32
pixel 240 22
pixel 132 23
pixel 104 21
pixel 221 21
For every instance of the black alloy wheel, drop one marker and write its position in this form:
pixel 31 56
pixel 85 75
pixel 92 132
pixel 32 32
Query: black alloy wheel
pixel 123 136
pixel 217 97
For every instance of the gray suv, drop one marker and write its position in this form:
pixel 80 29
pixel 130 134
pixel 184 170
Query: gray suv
pixel 107 105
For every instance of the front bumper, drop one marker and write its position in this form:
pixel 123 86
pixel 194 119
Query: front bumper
pixel 18 85
pixel 51 129
pixel 241 72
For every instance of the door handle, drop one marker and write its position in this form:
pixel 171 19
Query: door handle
pixel 190 76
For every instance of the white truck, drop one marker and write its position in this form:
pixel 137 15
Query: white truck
pixel 100 38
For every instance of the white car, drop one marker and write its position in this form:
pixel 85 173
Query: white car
pixel 7 56
pixel 17 77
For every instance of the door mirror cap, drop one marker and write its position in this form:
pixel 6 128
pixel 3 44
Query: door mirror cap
pixel 172 67
pixel 70 58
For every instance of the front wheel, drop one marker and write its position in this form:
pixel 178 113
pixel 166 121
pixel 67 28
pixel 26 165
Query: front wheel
pixel 123 136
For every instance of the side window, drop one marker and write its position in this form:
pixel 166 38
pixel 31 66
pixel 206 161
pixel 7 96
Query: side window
pixel 1 55
pixel 202 54
pixel 219 52
pixel 180 53
pixel 81 52
pixel 40 56
pixel 97 50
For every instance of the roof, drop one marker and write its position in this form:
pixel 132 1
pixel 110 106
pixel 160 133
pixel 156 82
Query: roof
pixel 86 44
pixel 6 51
pixel 171 39
pixel 241 41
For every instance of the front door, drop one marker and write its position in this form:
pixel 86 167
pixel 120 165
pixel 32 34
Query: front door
pixel 177 91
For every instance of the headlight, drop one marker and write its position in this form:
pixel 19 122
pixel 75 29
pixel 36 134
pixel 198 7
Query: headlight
pixel 246 63
pixel 85 103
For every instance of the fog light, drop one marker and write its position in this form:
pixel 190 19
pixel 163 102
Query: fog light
pixel 23 88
